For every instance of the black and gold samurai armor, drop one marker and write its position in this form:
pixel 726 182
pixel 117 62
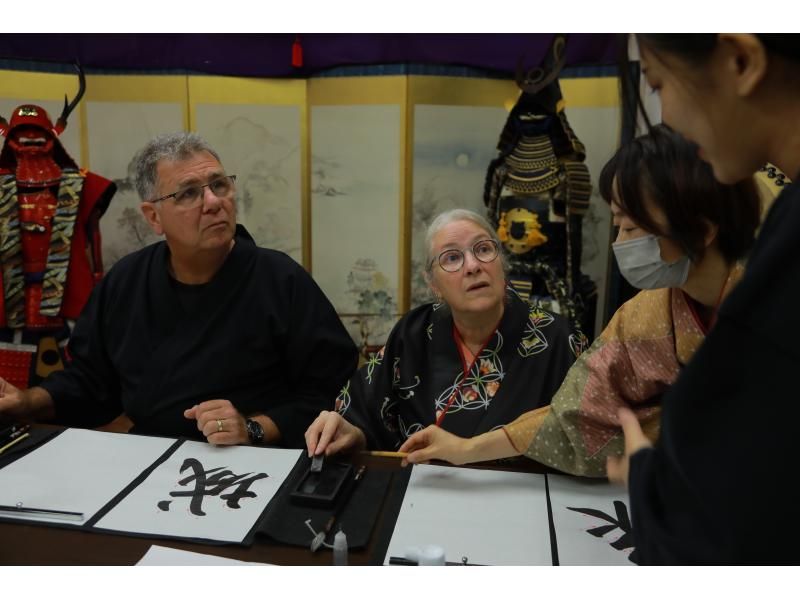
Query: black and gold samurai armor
pixel 537 192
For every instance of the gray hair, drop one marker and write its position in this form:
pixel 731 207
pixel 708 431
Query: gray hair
pixel 457 215
pixel 169 146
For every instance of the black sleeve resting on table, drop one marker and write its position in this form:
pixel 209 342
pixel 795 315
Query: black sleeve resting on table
pixel 371 388
pixel 320 357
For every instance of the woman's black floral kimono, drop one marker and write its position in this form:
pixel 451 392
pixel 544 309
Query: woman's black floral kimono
pixel 406 386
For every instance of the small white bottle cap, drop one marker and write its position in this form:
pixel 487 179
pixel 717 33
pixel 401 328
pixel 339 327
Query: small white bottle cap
pixel 432 555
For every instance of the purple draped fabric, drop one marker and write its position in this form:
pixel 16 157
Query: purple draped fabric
pixel 269 54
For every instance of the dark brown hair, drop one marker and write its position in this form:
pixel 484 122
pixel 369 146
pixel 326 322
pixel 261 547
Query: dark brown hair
pixel 697 47
pixel 691 49
pixel 664 167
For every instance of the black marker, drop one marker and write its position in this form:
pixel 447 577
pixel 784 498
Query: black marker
pixel 44 513
pixel 398 560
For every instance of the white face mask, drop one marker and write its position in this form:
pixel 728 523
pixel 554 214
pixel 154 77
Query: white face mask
pixel 640 263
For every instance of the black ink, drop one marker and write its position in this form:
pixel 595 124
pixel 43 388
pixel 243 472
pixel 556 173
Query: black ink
pixel 213 486
pixel 622 522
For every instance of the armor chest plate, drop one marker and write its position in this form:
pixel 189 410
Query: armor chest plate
pixel 36 211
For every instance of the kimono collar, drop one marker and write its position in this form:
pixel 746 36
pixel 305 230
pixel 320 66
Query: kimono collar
pixel 514 315
pixel 226 280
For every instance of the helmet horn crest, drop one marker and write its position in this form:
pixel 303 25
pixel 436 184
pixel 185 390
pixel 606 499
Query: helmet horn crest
pixel 61 123
pixel 533 81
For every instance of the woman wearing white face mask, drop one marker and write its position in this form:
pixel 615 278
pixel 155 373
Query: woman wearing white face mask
pixel 677 227
pixel 681 236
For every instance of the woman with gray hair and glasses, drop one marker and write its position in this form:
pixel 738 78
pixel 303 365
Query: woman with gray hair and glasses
pixel 471 362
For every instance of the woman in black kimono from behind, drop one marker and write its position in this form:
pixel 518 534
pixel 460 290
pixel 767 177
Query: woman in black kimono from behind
pixel 472 361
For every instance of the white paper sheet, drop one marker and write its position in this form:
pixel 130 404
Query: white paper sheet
pixel 225 512
pixel 161 555
pixel 79 470
pixel 576 546
pixel 491 517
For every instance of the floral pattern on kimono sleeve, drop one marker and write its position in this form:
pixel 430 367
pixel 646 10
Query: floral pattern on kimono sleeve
pixel 370 399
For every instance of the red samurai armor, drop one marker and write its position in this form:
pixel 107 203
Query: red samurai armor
pixel 49 241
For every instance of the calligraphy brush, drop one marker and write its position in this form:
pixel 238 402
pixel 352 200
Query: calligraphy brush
pixel 345 499
pixel 319 540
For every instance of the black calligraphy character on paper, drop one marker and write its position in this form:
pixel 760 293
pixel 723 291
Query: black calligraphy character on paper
pixel 213 486
pixel 622 522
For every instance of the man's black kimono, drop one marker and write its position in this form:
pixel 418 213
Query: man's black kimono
pixel 261 334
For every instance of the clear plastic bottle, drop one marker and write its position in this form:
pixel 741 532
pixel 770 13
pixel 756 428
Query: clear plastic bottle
pixel 340 548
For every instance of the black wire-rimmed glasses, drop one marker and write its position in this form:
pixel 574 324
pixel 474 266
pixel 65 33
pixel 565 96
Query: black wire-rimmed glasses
pixel 190 197
pixel 452 260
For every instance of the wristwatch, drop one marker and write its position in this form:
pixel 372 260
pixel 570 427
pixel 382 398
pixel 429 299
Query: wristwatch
pixel 255 433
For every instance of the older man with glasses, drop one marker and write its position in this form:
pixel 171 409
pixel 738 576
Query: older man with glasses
pixel 474 360
pixel 202 335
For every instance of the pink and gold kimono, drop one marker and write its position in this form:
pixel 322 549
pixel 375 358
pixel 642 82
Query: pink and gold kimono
pixel 632 363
